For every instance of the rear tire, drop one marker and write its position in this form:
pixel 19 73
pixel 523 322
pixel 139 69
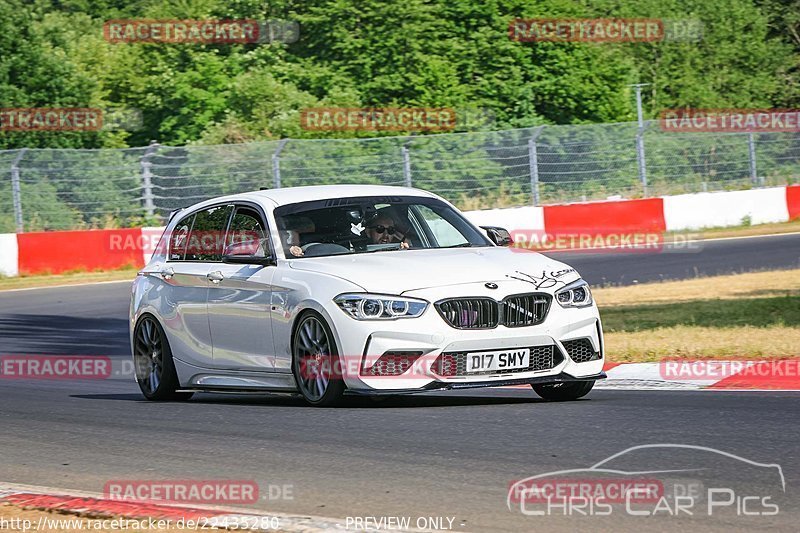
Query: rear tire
pixel 152 360
pixel 315 361
pixel 564 392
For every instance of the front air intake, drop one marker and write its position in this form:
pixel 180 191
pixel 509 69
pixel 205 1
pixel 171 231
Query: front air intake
pixel 393 363
pixel 581 350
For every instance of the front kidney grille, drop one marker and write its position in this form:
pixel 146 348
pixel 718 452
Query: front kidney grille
pixel 524 310
pixel 581 351
pixel 469 313
pixel 486 313
pixel 454 364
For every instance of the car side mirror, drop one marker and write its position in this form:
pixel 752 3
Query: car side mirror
pixel 499 236
pixel 245 253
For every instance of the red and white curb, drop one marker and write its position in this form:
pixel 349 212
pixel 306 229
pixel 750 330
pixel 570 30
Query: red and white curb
pixel 95 506
pixel 769 375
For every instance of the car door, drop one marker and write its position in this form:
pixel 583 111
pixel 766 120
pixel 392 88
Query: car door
pixel 239 299
pixel 185 277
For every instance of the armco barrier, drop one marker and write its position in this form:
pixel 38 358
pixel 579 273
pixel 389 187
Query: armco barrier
pixel 59 251
pixel 620 216
pixel 9 259
pixel 55 252
pixel 510 218
pixel 731 208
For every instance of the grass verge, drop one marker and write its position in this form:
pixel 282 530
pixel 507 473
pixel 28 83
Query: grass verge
pixel 743 316
pixel 70 278
pixel 745 230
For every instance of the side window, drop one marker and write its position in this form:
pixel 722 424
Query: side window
pixel 179 239
pixel 207 235
pixel 442 230
pixel 247 227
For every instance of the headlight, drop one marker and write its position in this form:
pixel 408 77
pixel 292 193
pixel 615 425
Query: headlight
pixel 380 306
pixel 576 294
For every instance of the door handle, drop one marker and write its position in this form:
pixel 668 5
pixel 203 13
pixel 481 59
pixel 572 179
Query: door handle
pixel 215 277
pixel 167 273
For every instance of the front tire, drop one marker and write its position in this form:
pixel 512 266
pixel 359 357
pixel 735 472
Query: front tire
pixel 152 359
pixel 315 360
pixel 564 392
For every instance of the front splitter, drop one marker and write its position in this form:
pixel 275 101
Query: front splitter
pixel 563 377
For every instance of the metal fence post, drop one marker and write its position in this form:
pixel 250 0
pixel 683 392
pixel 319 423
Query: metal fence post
pixel 16 192
pixel 276 164
pixel 147 179
pixel 640 159
pixel 406 165
pixel 640 136
pixel 751 147
pixel 533 164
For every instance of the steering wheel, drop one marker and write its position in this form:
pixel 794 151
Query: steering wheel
pixel 324 248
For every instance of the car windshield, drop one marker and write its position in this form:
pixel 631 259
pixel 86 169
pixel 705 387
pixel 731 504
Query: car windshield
pixel 372 224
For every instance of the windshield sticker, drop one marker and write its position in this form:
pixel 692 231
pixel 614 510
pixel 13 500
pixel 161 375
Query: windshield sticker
pixel 357 229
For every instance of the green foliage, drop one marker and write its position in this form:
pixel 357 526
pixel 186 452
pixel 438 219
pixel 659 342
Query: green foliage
pixel 414 53
pixel 453 53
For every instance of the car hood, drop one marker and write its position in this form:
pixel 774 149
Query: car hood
pixel 399 271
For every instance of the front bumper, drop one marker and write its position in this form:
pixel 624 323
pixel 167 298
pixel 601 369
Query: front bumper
pixel 362 343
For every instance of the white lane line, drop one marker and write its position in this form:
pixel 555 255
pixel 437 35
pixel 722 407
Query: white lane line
pixel 663 245
pixel 744 237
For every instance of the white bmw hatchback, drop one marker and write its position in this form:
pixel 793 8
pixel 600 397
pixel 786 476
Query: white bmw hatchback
pixel 329 290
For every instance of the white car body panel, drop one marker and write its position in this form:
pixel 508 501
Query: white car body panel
pixel 236 334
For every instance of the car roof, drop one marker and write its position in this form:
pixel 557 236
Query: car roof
pixel 291 195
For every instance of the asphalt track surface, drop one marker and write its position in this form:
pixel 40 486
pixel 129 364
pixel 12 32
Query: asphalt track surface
pixel 700 258
pixel 448 454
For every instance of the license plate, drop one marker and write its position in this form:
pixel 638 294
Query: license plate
pixel 499 360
